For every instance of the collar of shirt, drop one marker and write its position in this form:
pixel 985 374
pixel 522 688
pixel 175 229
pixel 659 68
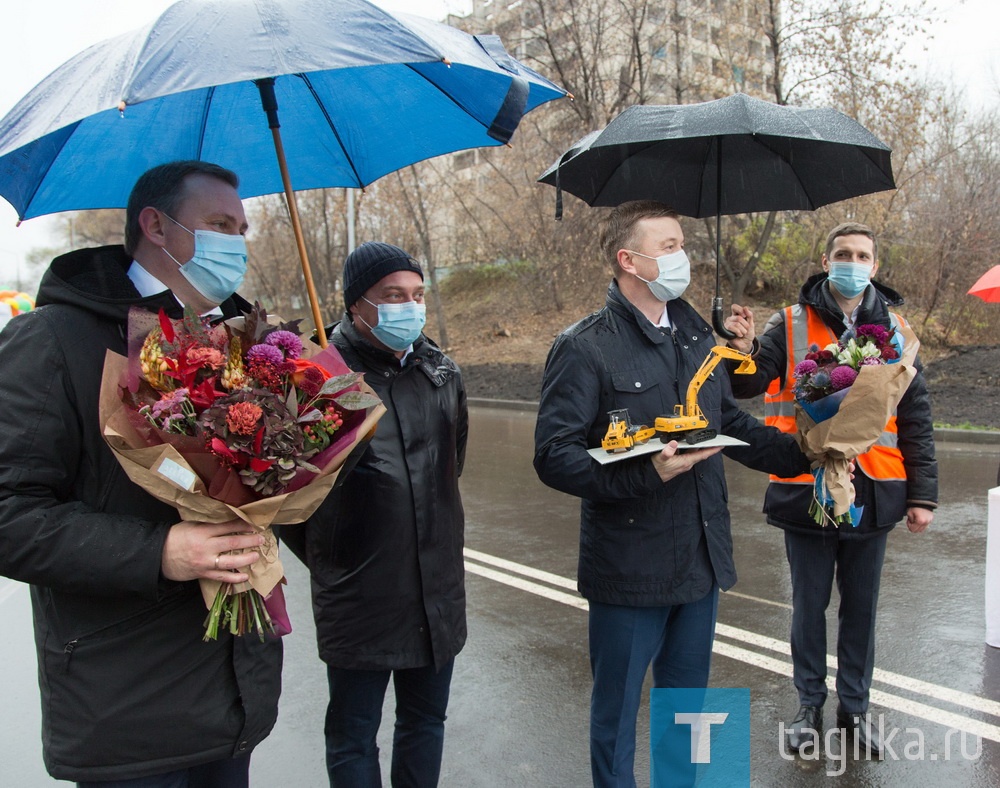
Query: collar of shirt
pixel 664 321
pixel 149 285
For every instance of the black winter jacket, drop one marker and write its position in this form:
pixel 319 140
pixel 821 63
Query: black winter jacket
pixel 128 688
pixel 644 542
pixel 385 548
pixel 885 502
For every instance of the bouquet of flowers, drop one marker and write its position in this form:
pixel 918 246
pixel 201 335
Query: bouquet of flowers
pixel 239 420
pixel 847 393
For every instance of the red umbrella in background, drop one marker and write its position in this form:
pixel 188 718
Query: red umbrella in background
pixel 988 286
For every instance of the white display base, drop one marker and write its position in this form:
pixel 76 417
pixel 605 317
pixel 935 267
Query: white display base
pixel 654 445
pixel 993 569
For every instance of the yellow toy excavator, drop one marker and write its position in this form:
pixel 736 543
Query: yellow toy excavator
pixel 688 422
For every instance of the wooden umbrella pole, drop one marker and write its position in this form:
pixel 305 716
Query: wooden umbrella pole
pixel 270 104
pixel 300 240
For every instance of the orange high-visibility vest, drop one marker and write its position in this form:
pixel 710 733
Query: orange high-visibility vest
pixel 803 329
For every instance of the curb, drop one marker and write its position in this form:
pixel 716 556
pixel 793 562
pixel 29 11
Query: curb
pixel 941 434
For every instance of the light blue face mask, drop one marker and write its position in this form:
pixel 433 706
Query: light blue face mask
pixel 673 277
pixel 850 279
pixel 219 263
pixel 398 325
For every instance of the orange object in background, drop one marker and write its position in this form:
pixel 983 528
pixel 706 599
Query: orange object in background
pixel 988 286
pixel 13 303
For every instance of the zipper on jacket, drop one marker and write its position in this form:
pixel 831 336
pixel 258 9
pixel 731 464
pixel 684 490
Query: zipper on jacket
pixel 150 613
pixel 68 651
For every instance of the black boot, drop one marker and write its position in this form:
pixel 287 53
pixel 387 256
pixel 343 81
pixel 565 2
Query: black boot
pixel 864 728
pixel 805 728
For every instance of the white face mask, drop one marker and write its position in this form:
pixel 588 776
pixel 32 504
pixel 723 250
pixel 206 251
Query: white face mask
pixel 673 278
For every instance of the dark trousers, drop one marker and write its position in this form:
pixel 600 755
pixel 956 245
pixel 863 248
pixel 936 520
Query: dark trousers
pixel 814 561
pixel 355 712
pixel 227 773
pixel 624 641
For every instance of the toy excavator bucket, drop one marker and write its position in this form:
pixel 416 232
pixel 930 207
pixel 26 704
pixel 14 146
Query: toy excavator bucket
pixel 746 367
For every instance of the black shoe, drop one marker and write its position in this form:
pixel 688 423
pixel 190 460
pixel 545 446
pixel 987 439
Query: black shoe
pixel 805 728
pixel 864 728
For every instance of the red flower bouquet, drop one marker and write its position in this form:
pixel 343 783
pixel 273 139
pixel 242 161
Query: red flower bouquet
pixel 239 420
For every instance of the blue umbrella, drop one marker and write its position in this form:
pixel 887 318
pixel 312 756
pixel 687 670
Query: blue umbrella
pixel 362 93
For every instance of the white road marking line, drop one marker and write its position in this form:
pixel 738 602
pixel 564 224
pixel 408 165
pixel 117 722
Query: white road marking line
pixel 783 668
pixel 914 708
pixel 947 694
pixel 8 589
pixel 527 585
pixel 759 599
pixel 520 569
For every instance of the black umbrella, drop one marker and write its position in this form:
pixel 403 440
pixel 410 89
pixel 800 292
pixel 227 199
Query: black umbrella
pixel 733 155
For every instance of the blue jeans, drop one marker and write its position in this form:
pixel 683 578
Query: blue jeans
pixel 814 560
pixel 677 640
pixel 355 712
pixel 227 773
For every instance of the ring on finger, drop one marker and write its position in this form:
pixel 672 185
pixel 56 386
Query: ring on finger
pixel 217 560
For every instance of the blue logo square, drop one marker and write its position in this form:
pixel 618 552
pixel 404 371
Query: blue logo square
pixel 699 737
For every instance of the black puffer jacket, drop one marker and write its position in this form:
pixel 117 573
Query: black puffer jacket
pixel 385 548
pixel 128 687
pixel 644 542
pixel 885 502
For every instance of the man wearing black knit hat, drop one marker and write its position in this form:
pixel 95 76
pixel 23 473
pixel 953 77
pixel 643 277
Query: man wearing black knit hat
pixel 385 549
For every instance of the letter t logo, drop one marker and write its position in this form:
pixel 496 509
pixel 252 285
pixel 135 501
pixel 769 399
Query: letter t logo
pixel 701 745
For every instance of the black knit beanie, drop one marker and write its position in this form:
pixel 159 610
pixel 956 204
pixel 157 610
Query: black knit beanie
pixel 369 263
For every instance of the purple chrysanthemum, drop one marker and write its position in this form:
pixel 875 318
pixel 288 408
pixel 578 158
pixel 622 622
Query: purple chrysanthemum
pixel 842 378
pixel 289 344
pixel 806 367
pixel 266 353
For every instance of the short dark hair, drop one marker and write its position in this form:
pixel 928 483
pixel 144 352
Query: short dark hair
pixel 851 228
pixel 618 229
pixel 162 188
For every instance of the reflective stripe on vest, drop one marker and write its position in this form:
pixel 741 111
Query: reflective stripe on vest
pixel 803 329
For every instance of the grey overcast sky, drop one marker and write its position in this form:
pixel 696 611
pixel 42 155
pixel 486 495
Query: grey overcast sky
pixel 42 34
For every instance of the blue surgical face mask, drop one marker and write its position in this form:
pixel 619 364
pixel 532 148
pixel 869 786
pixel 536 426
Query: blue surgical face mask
pixel 219 263
pixel 673 278
pixel 398 325
pixel 850 279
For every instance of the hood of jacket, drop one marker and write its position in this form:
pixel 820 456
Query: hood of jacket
pixel 876 301
pixel 96 279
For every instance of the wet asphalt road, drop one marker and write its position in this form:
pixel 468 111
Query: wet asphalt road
pixel 518 714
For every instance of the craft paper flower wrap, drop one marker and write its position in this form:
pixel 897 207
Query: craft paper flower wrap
pixel 856 425
pixel 200 475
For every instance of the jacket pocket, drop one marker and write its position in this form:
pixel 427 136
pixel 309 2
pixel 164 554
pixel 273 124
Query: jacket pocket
pixel 640 392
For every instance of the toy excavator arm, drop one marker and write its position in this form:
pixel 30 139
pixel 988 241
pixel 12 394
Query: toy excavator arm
pixel 719 352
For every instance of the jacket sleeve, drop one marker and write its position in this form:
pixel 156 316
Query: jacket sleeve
pixel 462 428
pixel 770 449
pixel 48 536
pixel 915 433
pixel 569 407
pixel 771 361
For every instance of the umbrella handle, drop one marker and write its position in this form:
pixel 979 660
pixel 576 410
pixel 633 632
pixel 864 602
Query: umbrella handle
pixel 718 321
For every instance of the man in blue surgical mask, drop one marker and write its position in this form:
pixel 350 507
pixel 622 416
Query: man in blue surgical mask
pixel 130 694
pixel 895 480
pixel 655 541
pixel 385 549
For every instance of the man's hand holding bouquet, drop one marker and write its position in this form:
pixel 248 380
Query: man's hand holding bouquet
pixel 238 421
pixel 847 393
